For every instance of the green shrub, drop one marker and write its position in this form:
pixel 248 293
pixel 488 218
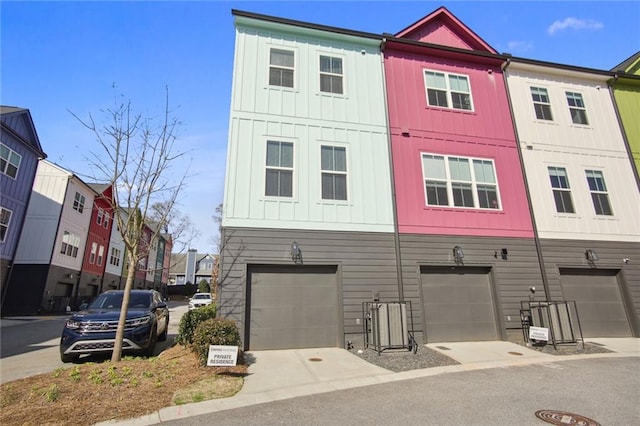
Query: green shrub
pixel 190 321
pixel 215 331
pixel 203 286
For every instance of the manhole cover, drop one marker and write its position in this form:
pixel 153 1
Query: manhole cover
pixel 515 353
pixel 315 359
pixel 443 348
pixel 562 418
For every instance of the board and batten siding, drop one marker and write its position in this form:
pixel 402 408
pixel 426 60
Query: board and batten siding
pixel 597 146
pixel 365 264
pixel 510 278
pixel 307 118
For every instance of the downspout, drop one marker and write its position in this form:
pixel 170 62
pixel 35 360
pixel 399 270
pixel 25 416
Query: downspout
pixel 627 145
pixel 536 238
pixel 394 204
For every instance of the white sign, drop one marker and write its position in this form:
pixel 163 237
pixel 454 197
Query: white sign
pixel 539 333
pixel 222 356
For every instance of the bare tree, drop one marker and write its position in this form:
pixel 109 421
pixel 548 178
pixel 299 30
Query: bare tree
pixel 137 157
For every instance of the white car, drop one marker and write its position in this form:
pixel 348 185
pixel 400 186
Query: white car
pixel 200 299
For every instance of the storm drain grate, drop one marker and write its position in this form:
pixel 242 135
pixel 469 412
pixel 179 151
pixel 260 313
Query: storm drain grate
pixel 315 359
pixel 515 353
pixel 443 348
pixel 562 418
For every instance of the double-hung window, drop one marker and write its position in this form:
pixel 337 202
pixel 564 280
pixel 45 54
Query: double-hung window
pixel 9 161
pixel 561 189
pixel 5 219
pixel 70 244
pixel 334 172
pixel 281 67
pixel 279 169
pixel 460 182
pixel 331 74
pixel 116 254
pixel 106 220
pixel 78 202
pixel 100 255
pixel 92 256
pixel 448 90
pixel 576 108
pixel 100 216
pixel 599 194
pixel 541 103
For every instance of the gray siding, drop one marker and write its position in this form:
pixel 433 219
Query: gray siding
pixel 511 278
pixel 365 262
pixel 570 254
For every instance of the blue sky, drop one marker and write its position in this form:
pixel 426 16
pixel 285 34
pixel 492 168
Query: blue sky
pixel 58 57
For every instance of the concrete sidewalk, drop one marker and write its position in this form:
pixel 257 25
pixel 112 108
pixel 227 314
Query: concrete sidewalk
pixel 283 374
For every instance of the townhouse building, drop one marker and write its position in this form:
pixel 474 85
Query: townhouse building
pixel 420 167
pixel 20 151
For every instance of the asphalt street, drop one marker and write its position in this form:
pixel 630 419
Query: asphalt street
pixel 604 390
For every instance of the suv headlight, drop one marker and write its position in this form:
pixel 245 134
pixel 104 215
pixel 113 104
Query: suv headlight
pixel 73 324
pixel 137 322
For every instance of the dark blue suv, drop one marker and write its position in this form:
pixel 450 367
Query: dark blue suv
pixel 93 330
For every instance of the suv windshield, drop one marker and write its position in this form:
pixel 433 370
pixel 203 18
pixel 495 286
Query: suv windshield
pixel 114 301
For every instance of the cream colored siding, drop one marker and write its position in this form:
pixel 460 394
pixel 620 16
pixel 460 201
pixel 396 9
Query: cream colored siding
pixel 576 148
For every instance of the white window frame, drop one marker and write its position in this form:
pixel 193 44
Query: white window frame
pixel 447 89
pixel 280 167
pixel 472 183
pixel 116 255
pixel 92 256
pixel 600 192
pixel 70 244
pixel 544 104
pixel 100 216
pixel 7 159
pixel 100 255
pixel 282 67
pixel 561 189
pixel 4 225
pixel 107 217
pixel 578 106
pixel 79 201
pixel 331 74
pixel 333 172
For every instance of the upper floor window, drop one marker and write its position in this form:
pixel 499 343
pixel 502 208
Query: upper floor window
pixel 460 182
pixel 279 170
pixel 334 172
pixel 5 219
pixel 281 66
pixel 599 194
pixel 100 255
pixel 331 74
pixel 78 202
pixel 561 189
pixel 9 161
pixel 70 244
pixel 541 103
pixel 100 216
pixel 116 255
pixel 94 250
pixel 448 90
pixel 105 223
pixel 576 108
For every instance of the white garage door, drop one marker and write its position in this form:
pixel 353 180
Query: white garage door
pixel 292 307
pixel 599 302
pixel 458 305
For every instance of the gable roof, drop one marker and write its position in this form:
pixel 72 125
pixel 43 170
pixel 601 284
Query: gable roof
pixel 630 65
pixel 444 28
pixel 26 133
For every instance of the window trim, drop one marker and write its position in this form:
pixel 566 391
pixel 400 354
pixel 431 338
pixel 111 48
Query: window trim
pixel 449 182
pixel 115 256
pixel 604 192
pixel 548 103
pixel 448 90
pixel 293 69
pixel 583 108
pixel 292 169
pixel 8 162
pixel 79 202
pixel 5 226
pixel 331 74
pixel 560 189
pixel 70 244
pixel 344 173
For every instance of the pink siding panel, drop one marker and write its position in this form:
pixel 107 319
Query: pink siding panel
pixel 486 132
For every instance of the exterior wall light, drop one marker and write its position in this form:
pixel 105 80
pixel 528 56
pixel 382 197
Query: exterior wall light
pixel 591 255
pixel 296 253
pixel 458 254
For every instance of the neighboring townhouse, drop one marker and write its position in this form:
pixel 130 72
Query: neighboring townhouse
pixel 626 89
pixel 459 186
pixel 140 280
pixel 20 151
pixel 92 276
pixel 308 228
pixel 582 188
pixel 155 249
pixel 49 257
pixel 114 274
pixel 192 267
pixel 166 262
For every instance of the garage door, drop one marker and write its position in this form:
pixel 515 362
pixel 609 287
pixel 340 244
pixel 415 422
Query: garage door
pixel 458 305
pixel 292 307
pixel 600 305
